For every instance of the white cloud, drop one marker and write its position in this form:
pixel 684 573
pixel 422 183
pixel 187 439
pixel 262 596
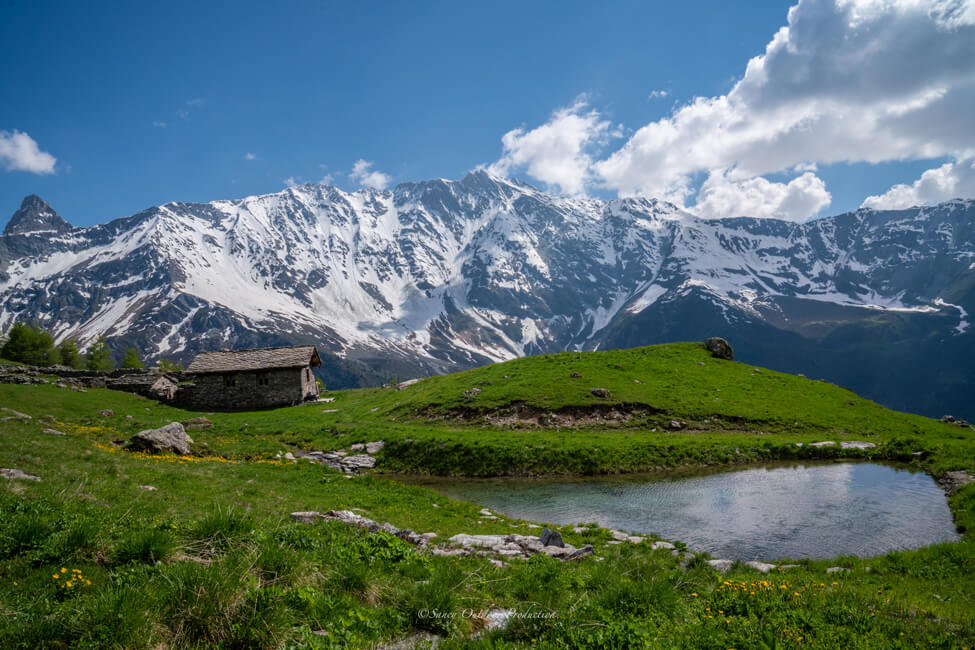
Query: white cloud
pixel 159 125
pixel 19 152
pixel 798 200
pixel 363 174
pixel 559 152
pixel 658 94
pixel 290 181
pixel 196 101
pixel 950 181
pixel 845 80
pixel 250 156
pixel 327 179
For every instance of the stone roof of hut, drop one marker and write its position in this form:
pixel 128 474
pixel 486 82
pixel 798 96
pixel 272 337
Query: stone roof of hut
pixel 259 359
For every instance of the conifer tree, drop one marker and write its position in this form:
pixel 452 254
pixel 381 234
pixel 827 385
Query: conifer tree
pixel 131 359
pixel 69 354
pixel 29 344
pixel 99 357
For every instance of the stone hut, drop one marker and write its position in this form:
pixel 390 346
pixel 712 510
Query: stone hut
pixel 151 385
pixel 251 379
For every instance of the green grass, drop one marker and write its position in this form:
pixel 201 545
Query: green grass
pixel 211 558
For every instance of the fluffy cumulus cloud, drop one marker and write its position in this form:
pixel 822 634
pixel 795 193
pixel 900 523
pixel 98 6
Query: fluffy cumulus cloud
pixel 559 152
pixel 799 199
pixel 842 81
pixel 366 176
pixel 19 152
pixel 952 180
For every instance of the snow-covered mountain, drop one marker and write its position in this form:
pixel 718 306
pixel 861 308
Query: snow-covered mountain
pixel 442 275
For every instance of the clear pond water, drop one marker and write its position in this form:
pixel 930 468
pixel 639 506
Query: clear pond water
pixel 766 513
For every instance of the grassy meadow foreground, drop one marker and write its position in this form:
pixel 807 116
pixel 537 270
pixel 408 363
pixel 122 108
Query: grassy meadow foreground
pixel 210 558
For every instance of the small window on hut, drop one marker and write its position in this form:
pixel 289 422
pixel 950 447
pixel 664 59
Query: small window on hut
pixel 229 380
pixel 262 379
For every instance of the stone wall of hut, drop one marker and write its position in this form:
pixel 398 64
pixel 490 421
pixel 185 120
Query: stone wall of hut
pixel 250 389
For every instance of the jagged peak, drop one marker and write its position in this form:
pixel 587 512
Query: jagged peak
pixel 35 215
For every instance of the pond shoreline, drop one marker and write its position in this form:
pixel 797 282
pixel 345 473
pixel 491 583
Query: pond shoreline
pixel 823 509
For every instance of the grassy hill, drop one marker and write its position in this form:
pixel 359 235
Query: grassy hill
pixel 211 559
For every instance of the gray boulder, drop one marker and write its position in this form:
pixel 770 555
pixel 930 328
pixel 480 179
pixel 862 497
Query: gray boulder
pixel 171 437
pixel 601 392
pixel 719 348
pixel 197 423
pixel 551 538
pixel 352 464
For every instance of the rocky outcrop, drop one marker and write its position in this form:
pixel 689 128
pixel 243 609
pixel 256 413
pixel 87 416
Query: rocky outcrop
pixel 353 519
pixel 342 461
pixel 602 393
pixel 171 437
pixel 856 444
pixel 719 348
pixel 515 546
pixel 197 423
pixel 462 544
pixel 951 481
pixel 11 474
pixel 14 415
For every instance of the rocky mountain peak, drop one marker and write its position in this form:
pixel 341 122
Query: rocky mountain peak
pixel 36 214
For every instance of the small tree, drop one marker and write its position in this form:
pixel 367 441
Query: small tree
pixel 99 357
pixel 30 344
pixel 131 359
pixel 70 355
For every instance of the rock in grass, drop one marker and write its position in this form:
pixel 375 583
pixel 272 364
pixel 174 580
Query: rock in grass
pixel 107 413
pixel 374 447
pixel 856 444
pixel 308 517
pixel 147 488
pixel 601 392
pixel 826 443
pixel 579 553
pixel 351 464
pixel 53 432
pixel 171 437
pixel 720 565
pixel 837 569
pixel 666 545
pixel 761 567
pixel 951 481
pixel 197 423
pixel 12 474
pixel 15 415
pixel 551 538
pixel 482 541
pixel 719 348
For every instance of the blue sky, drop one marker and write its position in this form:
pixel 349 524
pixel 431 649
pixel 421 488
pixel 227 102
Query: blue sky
pixel 134 104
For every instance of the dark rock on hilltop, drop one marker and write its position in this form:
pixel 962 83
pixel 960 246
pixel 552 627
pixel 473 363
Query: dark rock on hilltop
pixel 720 349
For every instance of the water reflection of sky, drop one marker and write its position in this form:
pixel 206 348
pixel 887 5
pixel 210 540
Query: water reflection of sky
pixel 765 513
